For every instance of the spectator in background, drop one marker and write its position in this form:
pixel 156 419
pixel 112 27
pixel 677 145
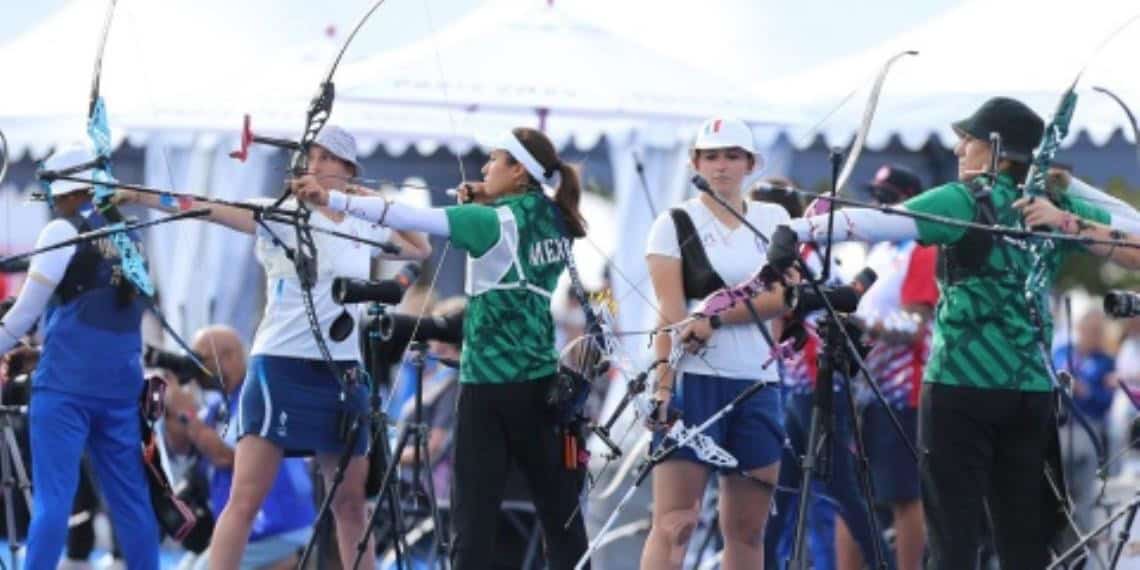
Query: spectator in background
pixel 1091 367
pixel 1122 414
pixel 897 311
pixel 1093 386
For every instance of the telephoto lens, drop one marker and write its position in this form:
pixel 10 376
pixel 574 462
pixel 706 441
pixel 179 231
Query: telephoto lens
pixel 1122 304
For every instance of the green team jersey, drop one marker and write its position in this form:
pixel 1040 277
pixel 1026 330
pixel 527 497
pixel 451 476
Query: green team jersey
pixel 508 330
pixel 983 334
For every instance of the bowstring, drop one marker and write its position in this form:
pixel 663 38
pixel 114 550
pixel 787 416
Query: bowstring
pixel 168 169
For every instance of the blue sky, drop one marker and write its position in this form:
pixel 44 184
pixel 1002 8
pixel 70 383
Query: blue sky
pixel 785 35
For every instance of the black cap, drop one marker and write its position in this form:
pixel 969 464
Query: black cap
pixel 1020 128
pixel 893 183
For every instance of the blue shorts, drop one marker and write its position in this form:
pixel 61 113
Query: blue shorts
pixel 893 469
pixel 753 432
pixel 295 404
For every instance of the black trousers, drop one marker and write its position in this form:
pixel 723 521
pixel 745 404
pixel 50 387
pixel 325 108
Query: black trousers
pixel 497 425
pixel 985 447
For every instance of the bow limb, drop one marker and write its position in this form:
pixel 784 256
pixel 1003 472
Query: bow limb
pixel 1119 101
pixel 865 124
pixel 4 157
pixel 131 262
pixel 304 254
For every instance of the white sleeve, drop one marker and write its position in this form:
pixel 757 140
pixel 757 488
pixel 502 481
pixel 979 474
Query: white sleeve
pixel 857 224
pixel 1124 216
pixel 44 274
pixel 24 313
pixel 663 237
pixel 51 265
pixel 392 214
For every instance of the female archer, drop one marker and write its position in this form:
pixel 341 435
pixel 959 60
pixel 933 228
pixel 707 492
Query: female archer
pixel 986 420
pixel 695 249
pixel 85 389
pixel 517 241
pixel 291 402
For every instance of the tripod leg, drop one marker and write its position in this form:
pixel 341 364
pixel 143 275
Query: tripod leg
pixel 426 480
pixel 816 444
pixel 22 480
pixel 389 494
pixel 395 516
pixel 7 453
pixel 386 496
pixel 864 472
pixel 386 483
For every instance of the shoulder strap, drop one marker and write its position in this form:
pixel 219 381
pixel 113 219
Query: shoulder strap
pixel 968 256
pixel 80 275
pixel 698 277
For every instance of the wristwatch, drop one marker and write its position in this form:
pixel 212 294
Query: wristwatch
pixel 715 322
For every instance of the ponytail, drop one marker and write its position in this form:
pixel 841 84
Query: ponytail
pixel 569 192
pixel 567 197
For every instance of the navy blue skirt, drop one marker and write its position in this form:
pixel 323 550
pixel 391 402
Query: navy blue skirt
pixel 753 432
pixel 296 404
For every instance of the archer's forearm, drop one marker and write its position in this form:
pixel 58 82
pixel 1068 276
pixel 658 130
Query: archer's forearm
pixel 391 214
pixel 1126 254
pixel 857 224
pixel 768 305
pixel 234 218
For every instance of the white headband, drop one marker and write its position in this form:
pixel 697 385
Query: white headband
pixel 510 143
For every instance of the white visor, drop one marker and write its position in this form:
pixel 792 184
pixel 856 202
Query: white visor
pixel 509 142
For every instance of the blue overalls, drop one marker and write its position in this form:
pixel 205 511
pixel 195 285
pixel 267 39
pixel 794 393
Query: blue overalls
pixel 85 394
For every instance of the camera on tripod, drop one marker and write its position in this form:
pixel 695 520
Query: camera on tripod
pixel 403 329
pixel 387 335
pixel 347 290
pixel 1122 304
pixel 804 298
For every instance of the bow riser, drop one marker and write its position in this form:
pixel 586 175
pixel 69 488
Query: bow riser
pixel 1055 133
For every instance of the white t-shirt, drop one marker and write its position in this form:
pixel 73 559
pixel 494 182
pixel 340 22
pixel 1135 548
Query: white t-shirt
pixel 737 350
pixel 284 328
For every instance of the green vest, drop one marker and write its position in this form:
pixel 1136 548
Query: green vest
pixel 983 334
pixel 515 256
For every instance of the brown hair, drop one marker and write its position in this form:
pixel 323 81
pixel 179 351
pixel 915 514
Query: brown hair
pixel 569 191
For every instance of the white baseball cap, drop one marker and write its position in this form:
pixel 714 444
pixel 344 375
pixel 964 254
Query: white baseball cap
pixel 724 132
pixel 340 143
pixel 67 157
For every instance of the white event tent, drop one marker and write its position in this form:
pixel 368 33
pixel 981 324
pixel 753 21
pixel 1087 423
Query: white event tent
pixel 182 98
pixel 1027 49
